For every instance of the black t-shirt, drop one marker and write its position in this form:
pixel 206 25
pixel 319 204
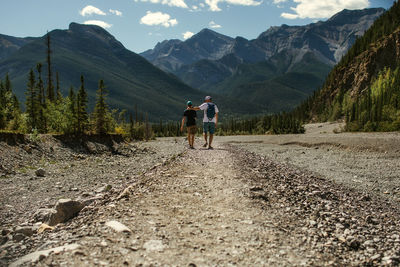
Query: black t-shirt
pixel 191 116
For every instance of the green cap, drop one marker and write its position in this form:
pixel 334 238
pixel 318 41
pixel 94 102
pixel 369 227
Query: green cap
pixel 189 103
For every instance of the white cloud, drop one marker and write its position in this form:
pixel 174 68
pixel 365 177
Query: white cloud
pixel 279 1
pixel 214 25
pixel 90 10
pixel 187 35
pixel 116 12
pixel 158 18
pixel 322 8
pixel 289 15
pixel 174 3
pixel 213 4
pixel 100 23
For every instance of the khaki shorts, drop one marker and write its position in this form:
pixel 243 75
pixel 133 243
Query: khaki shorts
pixel 192 129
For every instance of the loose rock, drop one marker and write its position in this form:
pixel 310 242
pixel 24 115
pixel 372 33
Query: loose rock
pixel 118 227
pixel 40 172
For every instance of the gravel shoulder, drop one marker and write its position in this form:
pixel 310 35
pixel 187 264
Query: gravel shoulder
pixel 368 162
pixel 71 173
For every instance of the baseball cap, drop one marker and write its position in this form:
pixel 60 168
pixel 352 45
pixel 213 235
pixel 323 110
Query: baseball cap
pixel 189 103
pixel 207 98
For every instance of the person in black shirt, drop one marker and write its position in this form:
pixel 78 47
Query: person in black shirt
pixel 190 115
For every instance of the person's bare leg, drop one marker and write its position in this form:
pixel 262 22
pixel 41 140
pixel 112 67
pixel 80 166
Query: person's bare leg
pixel 188 138
pixel 192 139
pixel 211 139
pixel 205 138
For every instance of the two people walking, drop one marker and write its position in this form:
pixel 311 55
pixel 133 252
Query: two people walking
pixel 210 121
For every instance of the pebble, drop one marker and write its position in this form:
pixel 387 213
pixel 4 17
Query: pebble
pixel 118 227
pixel 40 172
pixel 153 245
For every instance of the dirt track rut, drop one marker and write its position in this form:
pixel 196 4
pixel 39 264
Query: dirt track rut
pixel 197 211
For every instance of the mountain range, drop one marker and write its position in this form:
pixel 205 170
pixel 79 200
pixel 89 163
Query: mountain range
pixel 274 72
pixel 277 70
pixel 91 51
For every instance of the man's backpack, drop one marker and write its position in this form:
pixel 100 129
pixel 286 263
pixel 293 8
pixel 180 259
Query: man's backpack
pixel 210 111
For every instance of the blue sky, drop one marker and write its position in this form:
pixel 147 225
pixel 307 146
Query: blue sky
pixel 140 24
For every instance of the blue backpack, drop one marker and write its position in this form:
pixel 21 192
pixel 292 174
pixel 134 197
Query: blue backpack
pixel 210 111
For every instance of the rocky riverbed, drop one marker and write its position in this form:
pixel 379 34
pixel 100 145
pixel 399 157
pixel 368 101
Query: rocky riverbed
pixel 160 204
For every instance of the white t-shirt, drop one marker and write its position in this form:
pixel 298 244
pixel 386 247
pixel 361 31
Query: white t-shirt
pixel 204 107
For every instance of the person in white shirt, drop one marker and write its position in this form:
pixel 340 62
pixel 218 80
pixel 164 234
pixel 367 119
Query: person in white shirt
pixel 210 120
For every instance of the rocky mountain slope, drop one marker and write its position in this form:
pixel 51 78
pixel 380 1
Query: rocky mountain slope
pixel 93 52
pixel 328 39
pixel 363 87
pixel 306 52
pixel 10 44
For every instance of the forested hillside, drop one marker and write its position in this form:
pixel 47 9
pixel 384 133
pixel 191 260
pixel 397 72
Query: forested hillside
pixel 364 88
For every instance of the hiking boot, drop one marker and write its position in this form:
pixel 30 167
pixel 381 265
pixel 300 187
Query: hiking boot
pixel 210 147
pixel 192 147
pixel 205 145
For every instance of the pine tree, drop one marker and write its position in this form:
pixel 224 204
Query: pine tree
pixel 32 103
pixel 72 111
pixel 39 85
pixel 81 108
pixel 101 110
pixel 58 90
pixel 7 84
pixel 41 123
pixel 50 86
pixel 2 106
pixel 16 119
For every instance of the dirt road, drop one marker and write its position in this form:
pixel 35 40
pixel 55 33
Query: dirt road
pixel 226 207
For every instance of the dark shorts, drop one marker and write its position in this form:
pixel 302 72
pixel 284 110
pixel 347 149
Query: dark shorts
pixel 209 127
pixel 192 129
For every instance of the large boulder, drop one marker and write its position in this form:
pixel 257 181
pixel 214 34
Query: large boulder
pixel 25 230
pixel 44 215
pixel 65 209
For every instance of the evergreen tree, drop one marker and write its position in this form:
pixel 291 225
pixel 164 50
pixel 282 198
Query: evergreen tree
pixel 9 106
pixel 81 108
pixel 16 118
pixel 72 111
pixel 7 84
pixel 2 106
pixel 101 110
pixel 41 98
pixel 58 90
pixel 32 104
